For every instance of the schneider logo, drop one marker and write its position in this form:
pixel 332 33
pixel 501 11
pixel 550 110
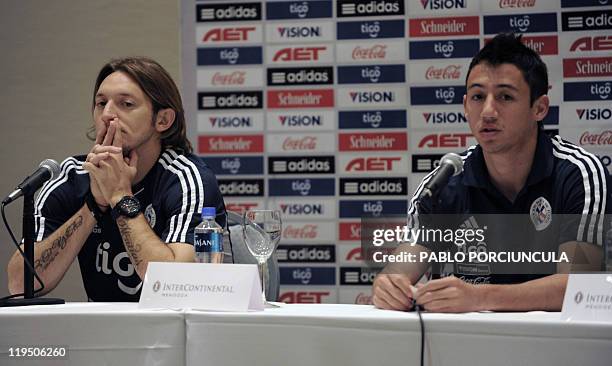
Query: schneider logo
pixel 355 8
pixel 312 165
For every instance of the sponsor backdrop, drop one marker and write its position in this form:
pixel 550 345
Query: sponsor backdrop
pixel 333 110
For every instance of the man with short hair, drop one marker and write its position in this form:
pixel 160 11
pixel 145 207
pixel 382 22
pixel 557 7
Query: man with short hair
pixel 515 169
pixel 135 198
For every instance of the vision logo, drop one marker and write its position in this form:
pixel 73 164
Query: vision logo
pixel 300 120
pixel 443 4
pixel 369 97
pixel 299 32
pixel 594 114
pixel 225 122
pixel 444 117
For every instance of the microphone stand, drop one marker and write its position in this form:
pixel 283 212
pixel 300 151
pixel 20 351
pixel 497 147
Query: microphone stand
pixel 28 247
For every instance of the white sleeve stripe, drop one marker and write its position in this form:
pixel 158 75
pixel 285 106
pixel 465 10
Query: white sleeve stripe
pixel 598 195
pixel 69 165
pixel 412 209
pixel 197 195
pixel 193 190
pixel 174 222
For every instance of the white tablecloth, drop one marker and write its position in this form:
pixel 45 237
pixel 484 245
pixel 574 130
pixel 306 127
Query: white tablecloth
pixel 361 335
pixel 325 334
pixel 95 333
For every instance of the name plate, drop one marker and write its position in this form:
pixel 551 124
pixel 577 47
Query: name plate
pixel 588 297
pixel 203 286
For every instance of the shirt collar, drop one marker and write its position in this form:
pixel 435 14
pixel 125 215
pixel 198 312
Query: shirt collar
pixel 477 175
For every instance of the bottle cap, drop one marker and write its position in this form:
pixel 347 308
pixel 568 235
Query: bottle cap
pixel 209 212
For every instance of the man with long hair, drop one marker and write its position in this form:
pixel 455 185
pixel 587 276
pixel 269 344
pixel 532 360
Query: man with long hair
pixel 135 198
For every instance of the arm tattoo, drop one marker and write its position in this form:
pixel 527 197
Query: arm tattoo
pixel 132 248
pixel 48 255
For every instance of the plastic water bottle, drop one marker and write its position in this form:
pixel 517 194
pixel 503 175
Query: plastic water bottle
pixel 208 240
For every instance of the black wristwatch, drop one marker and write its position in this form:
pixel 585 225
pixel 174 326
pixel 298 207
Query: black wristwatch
pixel 128 206
pixel 93 207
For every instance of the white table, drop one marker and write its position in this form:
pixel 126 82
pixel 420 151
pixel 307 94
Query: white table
pixel 96 334
pixel 361 335
pixel 308 334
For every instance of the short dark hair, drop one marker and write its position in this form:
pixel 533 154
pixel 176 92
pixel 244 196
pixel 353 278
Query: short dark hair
pixel 507 48
pixel 158 85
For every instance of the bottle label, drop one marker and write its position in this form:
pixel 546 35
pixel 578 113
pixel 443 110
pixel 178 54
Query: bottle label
pixel 208 242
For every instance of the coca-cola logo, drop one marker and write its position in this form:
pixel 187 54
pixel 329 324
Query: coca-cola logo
pixel 378 52
pixel 603 138
pixel 301 143
pixel 300 232
pixel 443 73
pixel 233 78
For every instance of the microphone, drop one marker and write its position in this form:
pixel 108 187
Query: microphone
pixel 48 169
pixel 450 165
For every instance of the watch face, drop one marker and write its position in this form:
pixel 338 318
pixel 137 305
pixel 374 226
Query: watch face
pixel 129 206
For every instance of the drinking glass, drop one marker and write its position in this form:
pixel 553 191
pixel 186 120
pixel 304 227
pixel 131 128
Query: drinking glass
pixel 261 230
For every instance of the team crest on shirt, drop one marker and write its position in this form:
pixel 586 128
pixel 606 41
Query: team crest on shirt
pixel 150 215
pixel 540 213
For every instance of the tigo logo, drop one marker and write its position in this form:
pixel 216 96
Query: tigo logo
pixel 229 56
pixel 371 74
pixel 372 119
pixel 302 187
pixel 452 48
pixel 579 91
pixel 371 29
pixel 233 165
pixel 524 23
pixel 298 9
pixel 436 95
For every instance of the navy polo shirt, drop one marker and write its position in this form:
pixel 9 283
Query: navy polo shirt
pixel 564 199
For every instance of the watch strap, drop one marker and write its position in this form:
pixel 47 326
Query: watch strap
pixel 93 207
